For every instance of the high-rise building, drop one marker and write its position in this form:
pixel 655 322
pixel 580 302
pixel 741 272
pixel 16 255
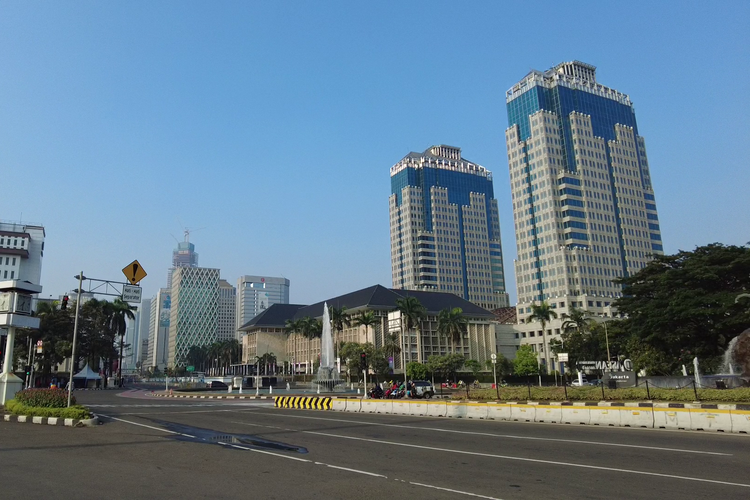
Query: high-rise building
pixel 227 309
pixel 21 251
pixel 182 256
pixel 194 318
pixel 583 203
pixel 445 227
pixel 158 335
pixel 255 294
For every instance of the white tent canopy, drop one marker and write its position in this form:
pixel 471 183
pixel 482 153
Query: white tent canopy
pixel 87 373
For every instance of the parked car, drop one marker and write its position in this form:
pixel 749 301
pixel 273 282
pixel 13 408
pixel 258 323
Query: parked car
pixel 423 389
pixel 580 383
pixel 218 384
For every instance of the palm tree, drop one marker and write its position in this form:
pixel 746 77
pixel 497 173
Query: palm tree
pixel 543 313
pixel 452 325
pixel 576 321
pixel 391 345
pixel 412 313
pixel 311 328
pixel 117 314
pixel 339 319
pixel 366 319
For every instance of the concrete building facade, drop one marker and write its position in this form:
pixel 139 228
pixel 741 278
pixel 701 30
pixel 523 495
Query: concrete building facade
pixel 255 294
pixel 445 227
pixel 158 336
pixel 583 204
pixel 21 251
pixel 227 327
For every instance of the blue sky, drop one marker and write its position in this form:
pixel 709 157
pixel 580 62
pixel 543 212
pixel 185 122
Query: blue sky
pixel 273 125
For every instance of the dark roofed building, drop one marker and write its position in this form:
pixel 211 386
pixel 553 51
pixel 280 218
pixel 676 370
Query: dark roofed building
pixel 267 332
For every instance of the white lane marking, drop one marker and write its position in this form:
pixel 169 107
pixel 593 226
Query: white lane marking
pixel 352 470
pixel 148 426
pixel 451 491
pixel 299 459
pixel 508 436
pixel 534 460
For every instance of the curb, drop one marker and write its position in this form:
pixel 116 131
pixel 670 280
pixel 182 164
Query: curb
pixel 209 397
pixel 66 422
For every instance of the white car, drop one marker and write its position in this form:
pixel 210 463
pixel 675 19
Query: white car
pixel 577 383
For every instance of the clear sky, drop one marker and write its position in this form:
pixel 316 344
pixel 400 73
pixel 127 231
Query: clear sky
pixel 273 125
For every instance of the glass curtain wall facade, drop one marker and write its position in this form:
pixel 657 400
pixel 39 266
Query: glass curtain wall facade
pixel 255 294
pixel 583 204
pixel 445 227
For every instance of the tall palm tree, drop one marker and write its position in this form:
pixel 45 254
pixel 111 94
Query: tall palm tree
pixel 117 315
pixel 452 325
pixel 366 319
pixel 391 345
pixel 543 313
pixel 576 321
pixel 339 319
pixel 412 313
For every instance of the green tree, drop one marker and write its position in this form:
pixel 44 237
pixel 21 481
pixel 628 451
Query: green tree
pixel 474 366
pixel 576 321
pixel 339 320
pixel 412 313
pixel 452 325
pixel 391 345
pixel 366 319
pixel 416 371
pixel 683 305
pixel 526 361
pixel 543 314
pixel 503 365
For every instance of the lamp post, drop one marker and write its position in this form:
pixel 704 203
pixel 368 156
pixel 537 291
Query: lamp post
pixel 75 334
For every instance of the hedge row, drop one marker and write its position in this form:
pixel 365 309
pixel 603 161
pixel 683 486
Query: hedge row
pixel 44 398
pixel 76 412
pixel 741 395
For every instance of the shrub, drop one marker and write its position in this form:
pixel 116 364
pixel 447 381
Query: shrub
pixel 44 398
pixel 76 412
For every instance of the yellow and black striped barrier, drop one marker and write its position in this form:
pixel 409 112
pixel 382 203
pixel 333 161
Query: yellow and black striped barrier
pixel 303 402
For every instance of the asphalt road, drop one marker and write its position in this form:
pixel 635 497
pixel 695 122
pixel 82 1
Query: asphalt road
pixel 160 448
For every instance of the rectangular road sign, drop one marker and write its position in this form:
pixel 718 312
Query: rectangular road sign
pixel 190 368
pixel 131 293
pixel 562 357
pixel 134 272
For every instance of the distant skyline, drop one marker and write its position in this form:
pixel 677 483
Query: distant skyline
pixel 273 126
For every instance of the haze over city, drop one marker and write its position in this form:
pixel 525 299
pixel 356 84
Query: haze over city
pixel 272 127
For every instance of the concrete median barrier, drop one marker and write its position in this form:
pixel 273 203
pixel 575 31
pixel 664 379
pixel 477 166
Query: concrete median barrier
pixel 741 419
pixel 498 411
pixel 400 407
pixel 605 414
pixel 549 413
pixel 576 413
pixel 384 406
pixel 522 412
pixel 637 415
pixel 339 404
pixel 671 416
pixel 706 417
pixel 456 409
pixel 369 405
pixel 436 408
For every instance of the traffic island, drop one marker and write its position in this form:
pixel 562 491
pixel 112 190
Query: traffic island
pixel 47 407
pixel 170 394
pixel 66 422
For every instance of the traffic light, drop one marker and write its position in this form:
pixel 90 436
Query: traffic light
pixel 27 368
pixel 363 360
pixel 64 303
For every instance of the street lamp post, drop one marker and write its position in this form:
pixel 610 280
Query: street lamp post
pixel 75 334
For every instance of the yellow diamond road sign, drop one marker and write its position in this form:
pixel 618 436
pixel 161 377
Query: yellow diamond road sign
pixel 134 272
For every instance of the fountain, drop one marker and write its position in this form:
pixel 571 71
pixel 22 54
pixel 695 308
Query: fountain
pixel 328 376
pixel 735 367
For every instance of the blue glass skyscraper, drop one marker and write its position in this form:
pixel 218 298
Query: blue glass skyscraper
pixel 445 228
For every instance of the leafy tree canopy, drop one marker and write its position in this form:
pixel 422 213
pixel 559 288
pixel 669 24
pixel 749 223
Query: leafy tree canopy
pixel 526 362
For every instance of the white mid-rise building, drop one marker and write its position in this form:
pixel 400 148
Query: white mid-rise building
pixel 21 251
pixel 255 294
pixel 583 204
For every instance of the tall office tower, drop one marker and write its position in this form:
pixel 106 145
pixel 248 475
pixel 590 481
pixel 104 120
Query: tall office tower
pixel 255 294
pixel 158 334
pixel 143 320
pixel 583 204
pixel 21 251
pixel 445 227
pixel 227 309
pixel 182 256
pixel 194 318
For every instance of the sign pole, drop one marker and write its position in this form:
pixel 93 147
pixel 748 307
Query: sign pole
pixel 75 334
